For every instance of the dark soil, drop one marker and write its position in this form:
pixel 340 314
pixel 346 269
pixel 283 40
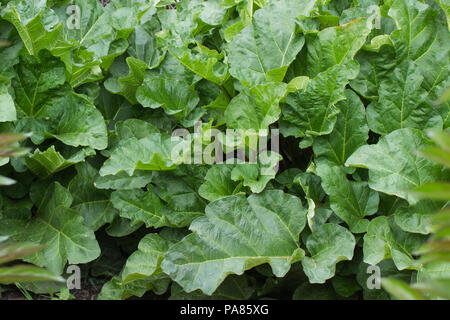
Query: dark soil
pixel 88 292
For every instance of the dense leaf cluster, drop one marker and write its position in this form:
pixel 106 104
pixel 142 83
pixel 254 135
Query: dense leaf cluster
pixel 352 86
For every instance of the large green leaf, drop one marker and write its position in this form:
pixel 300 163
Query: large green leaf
pixel 416 28
pixel 402 103
pixel 49 108
pixel 140 206
pixel 130 128
pixel 257 175
pixel 422 38
pixel 146 206
pixel 176 97
pixel 204 62
pixel 114 290
pixel 36 81
pixel 263 50
pixel 45 163
pixel 70 118
pixel 59 228
pixel 374 67
pixel 146 261
pixel 100 26
pixel 349 133
pixel 385 240
pixel 218 183
pixel 327 245
pixel 179 191
pixel 312 111
pixel 233 237
pixel 37 25
pixel 417 218
pixel 256 107
pixel 153 152
pixel 335 45
pixel 394 165
pixel 445 6
pixel 350 200
pixel 92 203
pixel 144 46
pixel 43 28
pixel 99 38
pixel 122 181
pixel 126 84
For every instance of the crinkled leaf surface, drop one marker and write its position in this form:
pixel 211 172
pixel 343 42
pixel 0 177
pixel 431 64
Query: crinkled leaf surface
pixel 257 175
pixel 146 261
pixel 218 183
pixel 175 97
pixel 122 181
pixel 402 103
pixel 255 108
pixel 327 245
pixel 147 207
pixel 336 45
pixel 118 106
pixel 56 225
pixel 313 111
pixel 127 82
pixel 36 81
pixel 263 50
pixel 350 200
pixel 233 237
pixel 45 163
pixel 394 165
pixel 204 62
pixel 38 26
pixel 94 204
pixel 374 67
pixel 349 133
pixel 417 218
pixel 153 152
pixel 385 240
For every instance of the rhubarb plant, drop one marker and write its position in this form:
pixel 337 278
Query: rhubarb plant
pixel 225 149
